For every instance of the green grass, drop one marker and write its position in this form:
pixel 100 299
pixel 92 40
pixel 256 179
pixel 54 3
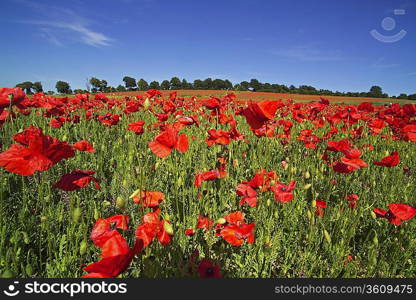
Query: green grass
pixel 41 232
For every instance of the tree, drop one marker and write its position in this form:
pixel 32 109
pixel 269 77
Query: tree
pixel 375 92
pixel 26 86
pixel 412 97
pixel 244 85
pixel 175 83
pixel 96 83
pixel 228 85
pixel 130 83
pixel 154 85
pixel 103 86
pixel 402 96
pixel 62 87
pixel 142 85
pixel 218 84
pixel 207 84
pixel 165 85
pixel 186 85
pixel 198 84
pixel 37 86
pixel 255 84
pixel 120 88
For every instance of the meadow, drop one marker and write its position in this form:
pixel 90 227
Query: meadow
pixel 171 184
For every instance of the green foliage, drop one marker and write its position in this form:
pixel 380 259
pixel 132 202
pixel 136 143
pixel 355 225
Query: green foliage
pixel 63 87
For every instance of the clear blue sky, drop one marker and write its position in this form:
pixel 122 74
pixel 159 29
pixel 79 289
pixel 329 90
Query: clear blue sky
pixel 326 44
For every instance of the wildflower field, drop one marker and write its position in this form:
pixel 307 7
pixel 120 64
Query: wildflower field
pixel 161 186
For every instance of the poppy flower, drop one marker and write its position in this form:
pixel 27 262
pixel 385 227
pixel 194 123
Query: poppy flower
pixel 207 176
pixel 219 137
pixel 257 113
pixel 397 213
pixel 153 227
pixel 320 205
pixel 136 127
pixel 11 96
pixel 168 140
pixel 249 195
pixel 207 269
pixel 189 231
pixel 84 146
pixel 75 180
pixel 235 231
pixel 352 200
pixel 409 132
pixel 389 161
pixel 283 193
pixel 37 152
pixel 350 162
pixel 149 198
pixel 204 222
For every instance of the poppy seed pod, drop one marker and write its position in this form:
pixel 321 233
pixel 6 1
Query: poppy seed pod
pixel 327 236
pixel 168 227
pixel 76 214
pixel 120 203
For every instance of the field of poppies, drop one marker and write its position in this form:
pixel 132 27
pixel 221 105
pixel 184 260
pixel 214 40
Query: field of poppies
pixel 161 186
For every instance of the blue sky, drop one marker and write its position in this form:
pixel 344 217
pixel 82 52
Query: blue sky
pixel 326 44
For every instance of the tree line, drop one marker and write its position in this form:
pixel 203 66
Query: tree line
pixel 95 85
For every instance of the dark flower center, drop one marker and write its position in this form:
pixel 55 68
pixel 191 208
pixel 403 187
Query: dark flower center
pixel 209 271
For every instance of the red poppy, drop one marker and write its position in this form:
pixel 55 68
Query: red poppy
pixel 352 200
pixel 75 180
pixel 204 222
pixel 397 213
pixel 84 146
pixel 409 132
pixel 189 231
pixel 389 161
pixel 207 269
pixel 207 176
pixel 235 231
pixel 37 152
pixel 153 227
pixel 257 113
pixel 149 198
pixel 249 195
pixel 168 140
pixel 136 127
pixel 350 162
pixel 283 193
pixel 11 96
pixel 320 205
pixel 219 137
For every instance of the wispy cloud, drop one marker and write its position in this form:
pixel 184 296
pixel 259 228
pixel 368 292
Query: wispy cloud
pixel 382 64
pixel 65 23
pixel 307 53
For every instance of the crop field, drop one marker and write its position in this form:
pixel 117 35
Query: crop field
pixel 206 184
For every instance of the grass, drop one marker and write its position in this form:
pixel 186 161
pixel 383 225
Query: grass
pixel 44 232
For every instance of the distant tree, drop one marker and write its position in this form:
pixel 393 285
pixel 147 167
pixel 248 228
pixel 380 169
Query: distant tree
pixel 50 92
pixel 375 92
pixel 244 85
pixel 186 85
pixel 218 84
pixel 165 85
pixel 228 85
pixel 292 89
pixel 26 86
pixel 255 84
pixel 130 83
pixel 95 83
pixel 142 85
pixel 79 91
pixel 37 86
pixel 154 85
pixel 412 97
pixel 63 87
pixel 207 84
pixel 402 96
pixel 120 88
pixel 198 84
pixel 175 83
pixel 103 86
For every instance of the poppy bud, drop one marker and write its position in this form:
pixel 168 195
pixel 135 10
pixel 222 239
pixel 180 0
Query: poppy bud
pixel 135 193
pixel 168 228
pixel 76 214
pixel 167 217
pixel 375 239
pixel 293 170
pixel 307 175
pixel 287 159
pixel 373 215
pixel 64 138
pixel 327 236
pixel 125 183
pixel 120 203
pixel 221 221
pixel 235 163
pixel 25 238
pixel 96 214
pixel 47 198
pixel 29 270
pixel 268 202
pixel 307 186
pixel 309 214
pixel 276 214
pixel 43 218
pixel 83 247
pixel 146 103
pixel 106 203
pixel 7 274
pixel 314 203
pixel 179 181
